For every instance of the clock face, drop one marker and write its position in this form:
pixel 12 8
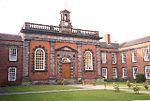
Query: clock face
pixel 66 24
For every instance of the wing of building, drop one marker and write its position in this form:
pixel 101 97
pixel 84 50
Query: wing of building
pixel 46 53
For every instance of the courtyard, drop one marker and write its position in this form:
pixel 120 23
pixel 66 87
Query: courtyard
pixel 72 93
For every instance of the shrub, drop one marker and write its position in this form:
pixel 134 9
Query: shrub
pixel 129 84
pixel 136 89
pixel 116 87
pixel 145 84
pixel 140 78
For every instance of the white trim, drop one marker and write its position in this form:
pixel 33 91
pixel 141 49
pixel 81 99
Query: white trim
pixel 146 55
pixel 13 54
pixel 114 58
pixel 12 74
pixel 114 73
pixel 124 73
pixel 88 60
pixel 104 57
pixel 104 72
pixel 147 72
pixel 133 55
pixel 43 68
pixel 123 57
pixel 134 72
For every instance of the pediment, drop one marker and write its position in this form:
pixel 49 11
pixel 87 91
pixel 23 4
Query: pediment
pixel 66 48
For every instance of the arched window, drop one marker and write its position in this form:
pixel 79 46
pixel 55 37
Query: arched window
pixel 88 60
pixel 39 59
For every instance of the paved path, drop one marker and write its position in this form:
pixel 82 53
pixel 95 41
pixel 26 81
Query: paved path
pixel 85 87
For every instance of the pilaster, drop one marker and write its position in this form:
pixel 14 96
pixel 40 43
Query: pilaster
pixel 26 59
pixel 79 58
pixel 98 61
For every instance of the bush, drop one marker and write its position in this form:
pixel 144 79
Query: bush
pixel 145 84
pixel 136 89
pixel 129 84
pixel 116 87
pixel 140 78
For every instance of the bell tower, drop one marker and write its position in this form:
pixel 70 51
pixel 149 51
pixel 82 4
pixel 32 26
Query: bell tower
pixel 65 24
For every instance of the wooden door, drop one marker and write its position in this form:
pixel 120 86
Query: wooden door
pixel 66 70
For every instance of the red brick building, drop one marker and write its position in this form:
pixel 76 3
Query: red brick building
pixel 11 67
pixel 44 53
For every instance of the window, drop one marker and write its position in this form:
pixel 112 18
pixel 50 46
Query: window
pixel 124 73
pixel 12 74
pixel 12 54
pixel 146 55
pixel 147 72
pixel 133 55
pixel 39 59
pixel 88 60
pixel 114 73
pixel 135 71
pixel 104 73
pixel 123 57
pixel 114 60
pixel 103 55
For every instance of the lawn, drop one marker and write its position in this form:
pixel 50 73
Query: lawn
pixel 123 85
pixel 35 88
pixel 90 95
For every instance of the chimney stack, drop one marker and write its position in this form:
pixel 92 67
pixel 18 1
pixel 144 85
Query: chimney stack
pixel 107 38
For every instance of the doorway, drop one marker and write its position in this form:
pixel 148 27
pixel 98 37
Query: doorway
pixel 66 70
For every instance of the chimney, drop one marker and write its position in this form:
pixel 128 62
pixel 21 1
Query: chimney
pixel 107 38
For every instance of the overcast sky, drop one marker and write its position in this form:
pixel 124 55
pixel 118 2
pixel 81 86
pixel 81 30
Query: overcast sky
pixel 123 19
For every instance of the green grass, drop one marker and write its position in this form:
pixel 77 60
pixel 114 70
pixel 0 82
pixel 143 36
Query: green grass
pixel 94 95
pixel 36 88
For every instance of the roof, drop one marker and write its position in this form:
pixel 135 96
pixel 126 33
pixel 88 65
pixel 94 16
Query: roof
pixel 10 37
pixel 57 31
pixel 135 42
pixel 64 11
pixel 109 46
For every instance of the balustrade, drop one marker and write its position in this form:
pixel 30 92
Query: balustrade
pixel 50 28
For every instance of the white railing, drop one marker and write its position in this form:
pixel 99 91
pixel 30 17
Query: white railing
pixel 34 26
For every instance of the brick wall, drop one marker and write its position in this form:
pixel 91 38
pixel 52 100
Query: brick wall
pixel 5 63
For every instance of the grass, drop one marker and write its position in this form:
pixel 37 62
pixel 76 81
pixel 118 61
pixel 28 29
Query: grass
pixel 36 88
pixel 91 95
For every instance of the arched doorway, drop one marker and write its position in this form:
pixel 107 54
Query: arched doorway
pixel 66 63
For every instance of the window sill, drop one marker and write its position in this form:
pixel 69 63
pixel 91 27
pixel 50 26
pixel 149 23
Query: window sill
pixel 89 70
pixel 39 71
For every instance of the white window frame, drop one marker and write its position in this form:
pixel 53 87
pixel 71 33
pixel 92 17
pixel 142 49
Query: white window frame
pixel 104 57
pixel 88 60
pixel 134 72
pixel 124 73
pixel 146 54
pixel 12 74
pixel 104 73
pixel 147 72
pixel 133 55
pixel 114 58
pixel 123 57
pixel 41 61
pixel 13 54
pixel 114 73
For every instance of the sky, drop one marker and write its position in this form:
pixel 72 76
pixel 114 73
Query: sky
pixel 124 20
